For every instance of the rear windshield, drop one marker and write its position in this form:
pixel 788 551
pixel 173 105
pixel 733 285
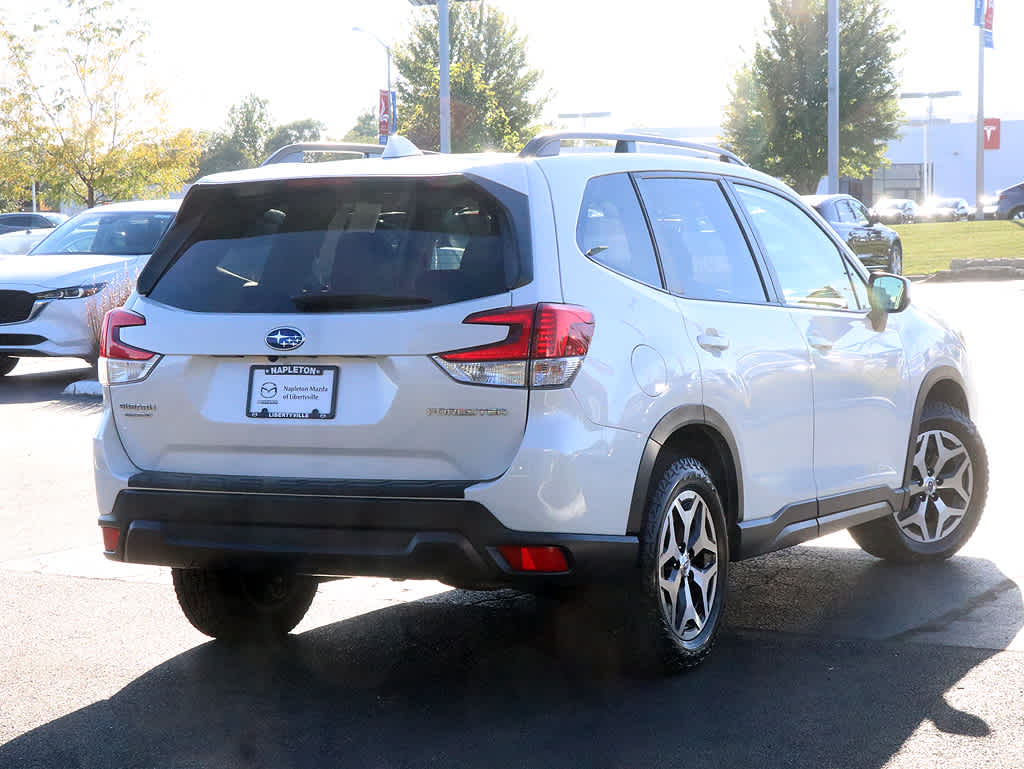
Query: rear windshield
pixel 117 233
pixel 342 245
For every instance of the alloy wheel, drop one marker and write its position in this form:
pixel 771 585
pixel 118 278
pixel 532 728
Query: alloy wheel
pixel 942 481
pixel 687 565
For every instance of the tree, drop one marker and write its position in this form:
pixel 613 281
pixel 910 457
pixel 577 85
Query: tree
pixel 249 126
pixel 249 137
pixel 78 117
pixel 365 129
pixel 306 130
pixel 777 119
pixel 493 104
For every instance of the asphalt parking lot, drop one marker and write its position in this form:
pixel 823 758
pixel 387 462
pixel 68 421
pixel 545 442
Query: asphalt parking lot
pixel 830 658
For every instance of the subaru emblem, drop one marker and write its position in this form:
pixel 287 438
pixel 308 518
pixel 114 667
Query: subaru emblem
pixel 285 338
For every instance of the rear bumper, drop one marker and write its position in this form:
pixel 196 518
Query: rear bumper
pixel 421 537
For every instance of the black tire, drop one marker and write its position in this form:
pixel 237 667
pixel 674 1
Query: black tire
pixel 241 606
pixel 7 364
pixel 886 538
pixel 656 644
pixel 896 258
pixel 1016 214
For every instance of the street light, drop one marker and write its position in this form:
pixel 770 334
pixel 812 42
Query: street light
pixel 446 106
pixel 930 96
pixel 391 123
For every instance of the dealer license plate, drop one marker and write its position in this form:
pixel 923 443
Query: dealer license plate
pixel 292 391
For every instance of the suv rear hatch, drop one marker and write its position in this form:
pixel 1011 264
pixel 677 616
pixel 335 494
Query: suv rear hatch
pixel 294 324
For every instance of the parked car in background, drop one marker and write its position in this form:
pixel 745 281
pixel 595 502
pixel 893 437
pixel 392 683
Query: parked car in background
pixel 989 203
pixel 895 210
pixel 943 210
pixel 31 220
pixel 52 299
pixel 21 241
pixel 1011 203
pixel 877 246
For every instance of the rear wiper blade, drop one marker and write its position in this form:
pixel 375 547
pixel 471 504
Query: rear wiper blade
pixel 332 301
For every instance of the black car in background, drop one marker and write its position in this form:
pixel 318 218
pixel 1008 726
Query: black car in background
pixel 878 246
pixel 30 221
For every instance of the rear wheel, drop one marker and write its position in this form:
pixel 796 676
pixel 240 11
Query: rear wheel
pixel 896 259
pixel 948 483
pixel 239 605
pixel 1017 214
pixel 7 364
pixel 684 564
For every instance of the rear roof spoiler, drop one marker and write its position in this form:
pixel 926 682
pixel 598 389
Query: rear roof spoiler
pixel 549 144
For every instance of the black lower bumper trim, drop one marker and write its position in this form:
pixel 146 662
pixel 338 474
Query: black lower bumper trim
pixel 453 540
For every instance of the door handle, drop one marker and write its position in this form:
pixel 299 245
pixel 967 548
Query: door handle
pixel 712 342
pixel 819 343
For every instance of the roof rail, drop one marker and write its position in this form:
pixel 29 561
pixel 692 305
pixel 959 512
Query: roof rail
pixel 295 152
pixel 549 144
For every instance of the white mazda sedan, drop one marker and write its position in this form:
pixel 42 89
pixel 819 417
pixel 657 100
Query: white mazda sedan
pixel 52 299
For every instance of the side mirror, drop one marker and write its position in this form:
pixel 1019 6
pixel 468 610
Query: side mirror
pixel 887 294
pixel 873 218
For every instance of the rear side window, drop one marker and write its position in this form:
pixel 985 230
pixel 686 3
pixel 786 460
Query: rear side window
pixel 343 245
pixel 611 229
pixel 702 248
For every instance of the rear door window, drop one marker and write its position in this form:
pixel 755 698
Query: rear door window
pixel 343 245
pixel 611 229
pixel 703 251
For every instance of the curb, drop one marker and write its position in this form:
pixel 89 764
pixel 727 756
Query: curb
pixel 88 387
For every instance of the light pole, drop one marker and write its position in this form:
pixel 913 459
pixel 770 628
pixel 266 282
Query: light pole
pixel 926 179
pixel 444 62
pixel 387 48
pixel 833 97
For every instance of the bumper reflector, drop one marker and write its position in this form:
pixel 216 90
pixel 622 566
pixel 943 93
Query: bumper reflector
pixel 536 558
pixel 111 537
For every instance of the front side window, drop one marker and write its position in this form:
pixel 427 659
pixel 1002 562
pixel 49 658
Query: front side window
pixel 860 214
pixel 810 269
pixel 115 233
pixel 611 229
pixel 702 248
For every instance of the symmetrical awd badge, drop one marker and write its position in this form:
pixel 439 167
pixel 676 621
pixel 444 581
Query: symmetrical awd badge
pixel 285 338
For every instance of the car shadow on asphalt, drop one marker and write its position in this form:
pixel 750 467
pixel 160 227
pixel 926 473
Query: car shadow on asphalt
pixel 41 386
pixel 503 679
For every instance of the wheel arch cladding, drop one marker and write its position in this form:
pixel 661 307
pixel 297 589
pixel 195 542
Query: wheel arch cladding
pixel 700 433
pixel 941 385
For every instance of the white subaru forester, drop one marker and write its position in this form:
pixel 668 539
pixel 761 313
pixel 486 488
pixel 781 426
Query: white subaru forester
pixel 556 368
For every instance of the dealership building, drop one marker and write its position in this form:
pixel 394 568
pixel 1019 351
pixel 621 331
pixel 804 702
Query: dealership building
pixel 951 153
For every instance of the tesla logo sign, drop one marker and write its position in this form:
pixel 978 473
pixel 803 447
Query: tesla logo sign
pixel 992 127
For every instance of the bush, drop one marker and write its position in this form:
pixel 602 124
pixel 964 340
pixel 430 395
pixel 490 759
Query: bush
pixel 116 293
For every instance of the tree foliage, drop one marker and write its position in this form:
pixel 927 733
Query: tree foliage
pixel 75 113
pixel 494 103
pixel 365 129
pixel 250 136
pixel 777 119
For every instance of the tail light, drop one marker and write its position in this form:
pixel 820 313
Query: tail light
pixel 545 347
pixel 120 362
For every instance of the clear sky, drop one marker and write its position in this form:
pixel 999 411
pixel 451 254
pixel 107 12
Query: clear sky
pixel 649 62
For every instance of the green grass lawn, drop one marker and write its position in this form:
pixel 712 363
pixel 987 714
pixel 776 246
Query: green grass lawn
pixel 929 247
